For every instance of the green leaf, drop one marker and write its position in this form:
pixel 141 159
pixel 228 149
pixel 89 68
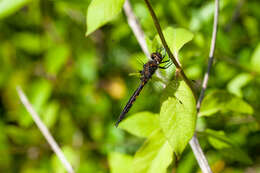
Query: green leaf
pixel 119 163
pixel 255 61
pixel 56 58
pixel 87 59
pixel 178 117
pixel 49 116
pixel 226 146
pixel 102 11
pixel 8 7
pixel 169 91
pixel 222 101
pixel 176 38
pixel 154 156
pixel 187 164
pixel 141 124
pixel 218 139
pixel 237 83
pixel 236 154
pixel 28 42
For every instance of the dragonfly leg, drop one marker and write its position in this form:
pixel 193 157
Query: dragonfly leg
pixel 165 61
pixel 140 61
pixel 166 66
pixel 164 53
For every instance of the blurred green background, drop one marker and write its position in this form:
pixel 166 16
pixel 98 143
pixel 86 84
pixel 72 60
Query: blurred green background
pixel 80 84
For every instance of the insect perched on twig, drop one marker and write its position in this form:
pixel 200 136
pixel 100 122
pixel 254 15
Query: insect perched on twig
pixel 149 69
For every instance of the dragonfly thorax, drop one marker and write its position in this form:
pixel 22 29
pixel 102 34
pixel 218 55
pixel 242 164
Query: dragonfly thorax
pixel 157 57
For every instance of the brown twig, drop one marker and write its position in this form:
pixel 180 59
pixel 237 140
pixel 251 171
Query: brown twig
pixel 44 130
pixel 194 141
pixel 165 45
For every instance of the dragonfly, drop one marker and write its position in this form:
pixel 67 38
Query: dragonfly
pixel 149 69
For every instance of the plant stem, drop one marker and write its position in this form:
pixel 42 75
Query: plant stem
pixel 194 141
pixel 136 28
pixel 211 56
pixel 165 45
pixel 44 130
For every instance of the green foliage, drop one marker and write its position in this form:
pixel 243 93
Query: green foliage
pixel 236 85
pixel 78 85
pixel 178 117
pixel 7 7
pixel 100 12
pixel 222 101
pixel 227 147
pixel 218 139
pixel 56 58
pixel 176 38
pixel 120 163
pixel 255 61
pixel 155 155
pixel 141 124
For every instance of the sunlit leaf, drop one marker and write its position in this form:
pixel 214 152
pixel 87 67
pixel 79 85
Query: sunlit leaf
pixel 49 116
pixel 218 139
pixel 178 117
pixel 255 61
pixel 120 163
pixel 8 7
pixel 176 38
pixel 222 101
pixel 141 124
pixel 56 58
pixel 154 156
pixel 102 11
pixel 28 42
pixel 237 83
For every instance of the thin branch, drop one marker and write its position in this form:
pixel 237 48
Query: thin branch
pixel 165 45
pixel 200 156
pixel 194 143
pixel 139 34
pixel 136 28
pixel 44 131
pixel 211 56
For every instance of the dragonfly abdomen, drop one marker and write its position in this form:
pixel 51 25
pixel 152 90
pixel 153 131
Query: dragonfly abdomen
pixel 148 70
pixel 130 102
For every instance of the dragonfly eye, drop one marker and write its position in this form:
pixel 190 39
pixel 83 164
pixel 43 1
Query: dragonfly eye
pixel 153 55
pixel 157 57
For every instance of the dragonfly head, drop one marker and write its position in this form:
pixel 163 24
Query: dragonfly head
pixel 157 57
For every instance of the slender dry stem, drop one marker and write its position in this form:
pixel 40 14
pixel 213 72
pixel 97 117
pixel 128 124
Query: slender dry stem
pixel 165 45
pixel 44 130
pixel 211 55
pixel 136 28
pixel 139 34
pixel 194 141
